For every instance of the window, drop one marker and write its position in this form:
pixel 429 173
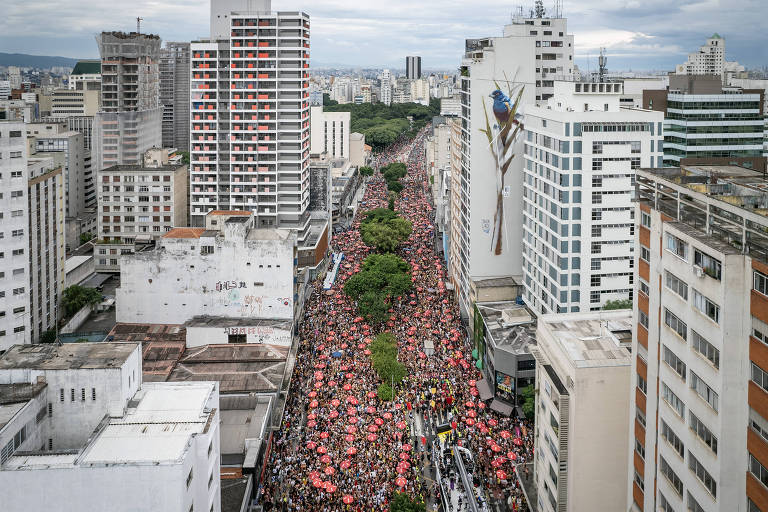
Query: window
pixel 82 394
pixel 702 432
pixel 706 306
pixel 669 436
pixel 639 481
pixel 670 475
pixel 645 254
pixel 758 470
pixel 61 394
pixel 704 391
pixel 642 384
pixel 693 505
pixel 760 330
pixel 72 394
pixel 760 282
pixel 677 246
pixel 672 400
pixel 640 417
pixel 93 394
pixel 675 324
pixel 189 478
pixel 674 362
pixel 206 249
pixel 639 448
pixel 644 288
pixel 664 505
pixel 759 377
pixel 643 318
pixel 676 285
pixel 702 474
pixel 710 265
pixel 705 348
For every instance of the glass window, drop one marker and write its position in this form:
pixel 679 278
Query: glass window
pixel 702 474
pixel 760 281
pixel 645 254
pixel 706 306
pixel 674 362
pixel 673 400
pixel 645 219
pixel 670 475
pixel 710 265
pixel 704 391
pixel 702 432
pixel 642 384
pixel 669 436
pixel 674 323
pixel 705 348
pixel 676 285
pixel 759 377
pixel 758 470
pixel 677 246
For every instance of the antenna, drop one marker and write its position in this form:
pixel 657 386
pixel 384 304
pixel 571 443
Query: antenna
pixel 602 63
pixel 539 7
pixel 558 9
pixel 138 24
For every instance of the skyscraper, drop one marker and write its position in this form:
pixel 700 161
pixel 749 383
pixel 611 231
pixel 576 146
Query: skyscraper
pixel 129 121
pixel 386 87
pixel 413 68
pixel 174 94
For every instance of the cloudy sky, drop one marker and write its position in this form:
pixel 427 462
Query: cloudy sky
pixel 638 34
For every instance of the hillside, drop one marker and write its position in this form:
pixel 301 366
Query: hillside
pixel 35 61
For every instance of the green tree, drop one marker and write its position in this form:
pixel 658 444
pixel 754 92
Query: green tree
pixel 529 401
pixel 184 157
pixel 385 392
pixel 366 171
pixel 401 502
pixel 378 215
pixel 381 278
pixel 385 236
pixel 328 102
pixel 618 304
pixel 391 201
pixel 48 336
pixel 85 237
pixel 74 298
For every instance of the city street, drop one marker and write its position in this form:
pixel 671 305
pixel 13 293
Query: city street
pixel 340 447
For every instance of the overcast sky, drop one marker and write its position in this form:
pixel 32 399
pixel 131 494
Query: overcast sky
pixel 638 34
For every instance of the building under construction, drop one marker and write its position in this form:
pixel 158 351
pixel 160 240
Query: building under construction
pixel 174 94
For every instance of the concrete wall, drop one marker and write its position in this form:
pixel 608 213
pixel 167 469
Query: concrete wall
pixel 76 321
pixel 199 336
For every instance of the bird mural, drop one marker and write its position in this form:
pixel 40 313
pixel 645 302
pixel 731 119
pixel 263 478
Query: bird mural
pixel 501 137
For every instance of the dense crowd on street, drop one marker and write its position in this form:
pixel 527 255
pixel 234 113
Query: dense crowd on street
pixel 341 448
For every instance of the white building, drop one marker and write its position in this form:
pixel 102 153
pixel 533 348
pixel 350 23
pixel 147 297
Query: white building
pixel 582 411
pixel 420 91
pixel 5 89
pixel 79 419
pixel 554 49
pixel 85 76
pixel 386 88
pixel 14 77
pixel 488 217
pixel 228 269
pixel 14 264
pixel 710 60
pixel 329 132
pixel 581 154
pixel 699 397
pixel 242 158
pixel 46 251
pixel 130 120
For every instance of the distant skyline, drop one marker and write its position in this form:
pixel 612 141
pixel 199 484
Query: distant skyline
pixel 637 34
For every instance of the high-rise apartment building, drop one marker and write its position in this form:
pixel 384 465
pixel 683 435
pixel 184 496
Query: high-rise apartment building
pixel 554 49
pixel 14 231
pixel 582 365
pixel 174 94
pixel 413 67
pixel 329 133
pixel 710 60
pixel 249 146
pixel 46 251
pixel 708 123
pixel 699 399
pixel 14 77
pixel 386 87
pixel 582 151
pixel 490 180
pixel 130 119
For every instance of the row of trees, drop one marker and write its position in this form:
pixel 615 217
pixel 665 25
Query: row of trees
pixel 381 278
pixel 382 124
pixel 383 230
pixel 392 174
pixel 388 368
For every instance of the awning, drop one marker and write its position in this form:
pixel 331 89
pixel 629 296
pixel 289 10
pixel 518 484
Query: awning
pixel 485 391
pixel 501 407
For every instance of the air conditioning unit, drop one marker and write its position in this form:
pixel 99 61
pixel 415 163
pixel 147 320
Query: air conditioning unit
pixel 698 271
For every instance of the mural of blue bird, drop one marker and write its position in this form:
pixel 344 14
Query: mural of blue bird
pixel 502 106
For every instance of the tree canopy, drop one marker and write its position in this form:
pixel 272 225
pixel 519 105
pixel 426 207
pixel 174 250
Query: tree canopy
pixel 366 171
pixel 401 502
pixel 74 298
pixel 383 230
pixel 381 277
pixel 618 304
pixel 529 401
pixel 392 174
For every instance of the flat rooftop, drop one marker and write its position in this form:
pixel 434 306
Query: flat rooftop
pixel 592 339
pixel 226 321
pixel 67 356
pixel 495 282
pixel 517 336
pixel 184 233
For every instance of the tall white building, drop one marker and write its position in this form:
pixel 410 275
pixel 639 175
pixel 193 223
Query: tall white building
pixel 14 231
pixel 582 151
pixel 250 133
pixel 130 120
pixel 78 417
pixel 710 60
pixel 699 397
pixel 329 133
pixel 14 77
pixel 554 49
pixel 420 91
pixel 386 87
pixel 582 411
pixel 488 218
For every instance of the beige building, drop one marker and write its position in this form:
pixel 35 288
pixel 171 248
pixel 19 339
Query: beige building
pixel 699 399
pixel 138 204
pixel 329 132
pixel 582 411
pixel 358 154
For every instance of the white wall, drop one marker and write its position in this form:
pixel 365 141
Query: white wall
pixel 200 336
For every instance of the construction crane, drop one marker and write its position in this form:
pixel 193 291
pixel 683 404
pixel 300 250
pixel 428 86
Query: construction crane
pixel 138 24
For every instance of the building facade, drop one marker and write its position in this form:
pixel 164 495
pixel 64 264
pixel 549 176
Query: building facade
pixel 329 133
pixel 413 67
pixel 385 95
pixel 130 120
pixel 582 364
pixel 699 404
pixel 250 133
pixel 710 60
pixel 174 94
pixel 15 263
pixel 581 154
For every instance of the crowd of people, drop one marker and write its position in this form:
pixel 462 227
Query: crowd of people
pixel 341 448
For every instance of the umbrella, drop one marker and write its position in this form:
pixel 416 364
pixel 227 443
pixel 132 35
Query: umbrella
pixel 312 394
pixel 313 404
pixel 401 425
pixel 349 438
pixel 371 394
pixel 322 449
pixel 311 424
pixel 496 448
pixel 314 475
pixel 501 474
pixel 325 459
pixel 401 481
pixel 505 434
pixel 406 447
pixel 372 437
pixel 518 441
pixel 334 414
pixel 351 429
pixel 351 450
pixel 370 409
pixel 317 483
pixel 345 464
pixel 347 499
pixel 470 404
pixel 404 456
pixel 492 422
pixel 512 455
pixel 378 421
pixel 329 470
pixel 401 469
pixel 387 415
pixel 335 402
pixel 469 421
pixel 311 445
pixel 336 354
pixel 324 435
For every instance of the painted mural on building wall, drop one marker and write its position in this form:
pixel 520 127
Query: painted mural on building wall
pixel 502 130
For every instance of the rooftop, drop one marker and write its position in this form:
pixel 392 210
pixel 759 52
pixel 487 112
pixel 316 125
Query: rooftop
pixel 230 212
pixel 122 168
pixel 67 356
pixel 592 339
pixel 511 327
pixel 184 233
pixel 87 67
pixel 13 398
